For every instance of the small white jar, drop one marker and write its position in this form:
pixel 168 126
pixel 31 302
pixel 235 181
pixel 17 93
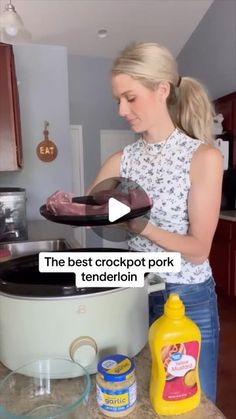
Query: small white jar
pixel 116 386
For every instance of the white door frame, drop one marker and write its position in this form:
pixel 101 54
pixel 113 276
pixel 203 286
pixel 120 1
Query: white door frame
pixel 78 174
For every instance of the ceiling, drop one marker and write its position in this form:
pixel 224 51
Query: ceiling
pixel 74 23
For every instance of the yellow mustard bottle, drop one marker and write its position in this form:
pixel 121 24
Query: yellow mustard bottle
pixel 174 342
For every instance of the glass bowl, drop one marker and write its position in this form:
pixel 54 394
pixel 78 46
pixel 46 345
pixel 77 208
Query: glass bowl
pixel 47 388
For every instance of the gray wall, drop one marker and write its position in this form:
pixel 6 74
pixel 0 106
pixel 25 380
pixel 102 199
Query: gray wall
pixel 92 106
pixel 210 53
pixel 42 74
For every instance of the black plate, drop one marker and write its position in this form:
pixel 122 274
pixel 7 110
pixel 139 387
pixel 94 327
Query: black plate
pixel 90 220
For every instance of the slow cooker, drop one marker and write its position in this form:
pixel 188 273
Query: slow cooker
pixel 45 315
pixel 13 223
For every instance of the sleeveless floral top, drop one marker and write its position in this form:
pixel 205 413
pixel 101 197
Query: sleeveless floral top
pixel 162 170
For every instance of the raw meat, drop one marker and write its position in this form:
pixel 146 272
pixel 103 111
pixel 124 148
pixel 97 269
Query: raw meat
pixel 60 203
pixel 134 198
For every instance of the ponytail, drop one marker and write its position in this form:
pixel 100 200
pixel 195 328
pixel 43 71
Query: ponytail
pixel 193 112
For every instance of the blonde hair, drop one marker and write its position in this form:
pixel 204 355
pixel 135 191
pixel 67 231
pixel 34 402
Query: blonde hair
pixel 188 102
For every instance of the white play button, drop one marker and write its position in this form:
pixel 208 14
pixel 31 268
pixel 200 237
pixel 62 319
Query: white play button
pixel 116 209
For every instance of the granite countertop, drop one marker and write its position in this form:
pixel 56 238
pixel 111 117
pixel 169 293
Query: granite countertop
pixel 206 409
pixel 228 215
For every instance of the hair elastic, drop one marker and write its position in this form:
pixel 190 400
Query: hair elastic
pixel 179 81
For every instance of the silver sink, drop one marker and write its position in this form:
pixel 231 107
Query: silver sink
pixel 18 249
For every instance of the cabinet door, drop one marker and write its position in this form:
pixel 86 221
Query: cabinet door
pixel 10 130
pixel 220 256
pixel 234 131
pixel 233 262
pixel 16 106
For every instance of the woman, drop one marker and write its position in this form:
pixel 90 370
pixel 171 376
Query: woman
pixel 176 163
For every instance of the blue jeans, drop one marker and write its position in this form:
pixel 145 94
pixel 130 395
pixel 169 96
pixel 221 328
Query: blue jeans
pixel 200 302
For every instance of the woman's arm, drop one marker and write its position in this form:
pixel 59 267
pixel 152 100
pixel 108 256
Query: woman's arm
pixel 109 169
pixel 204 201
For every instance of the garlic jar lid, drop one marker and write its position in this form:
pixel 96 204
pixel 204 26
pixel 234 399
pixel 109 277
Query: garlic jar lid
pixel 115 367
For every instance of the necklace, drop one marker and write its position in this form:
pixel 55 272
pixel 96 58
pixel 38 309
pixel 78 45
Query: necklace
pixel 155 149
pixel 154 154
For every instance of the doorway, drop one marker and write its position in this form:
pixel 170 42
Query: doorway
pixel 78 174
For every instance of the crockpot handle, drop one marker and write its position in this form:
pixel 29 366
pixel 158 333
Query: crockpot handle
pixel 154 283
pixel 83 350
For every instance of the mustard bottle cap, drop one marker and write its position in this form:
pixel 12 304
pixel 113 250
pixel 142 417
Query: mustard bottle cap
pixel 174 308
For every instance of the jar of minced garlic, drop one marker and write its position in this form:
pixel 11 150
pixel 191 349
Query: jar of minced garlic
pixel 116 386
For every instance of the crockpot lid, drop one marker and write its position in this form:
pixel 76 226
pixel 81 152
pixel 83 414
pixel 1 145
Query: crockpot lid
pixel 21 277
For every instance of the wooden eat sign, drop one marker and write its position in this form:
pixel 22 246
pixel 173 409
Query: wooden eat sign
pixel 46 150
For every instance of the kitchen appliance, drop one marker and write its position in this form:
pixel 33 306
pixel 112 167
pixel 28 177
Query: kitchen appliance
pixel 45 315
pixel 228 200
pixel 13 224
pixel 224 142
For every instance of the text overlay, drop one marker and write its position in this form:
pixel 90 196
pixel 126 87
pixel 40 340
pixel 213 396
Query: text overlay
pixel 109 269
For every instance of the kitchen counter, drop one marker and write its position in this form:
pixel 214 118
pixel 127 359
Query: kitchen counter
pixel 206 409
pixel 228 215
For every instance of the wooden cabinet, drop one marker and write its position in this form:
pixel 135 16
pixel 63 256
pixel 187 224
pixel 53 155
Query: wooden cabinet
pixel 233 260
pixel 10 128
pixel 223 257
pixel 227 106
